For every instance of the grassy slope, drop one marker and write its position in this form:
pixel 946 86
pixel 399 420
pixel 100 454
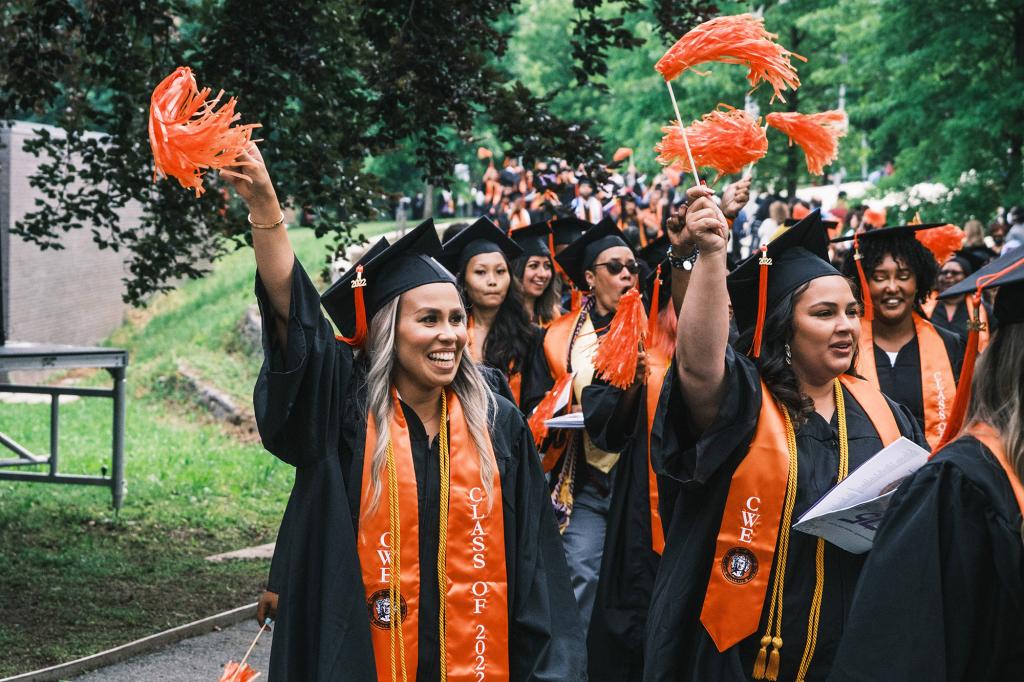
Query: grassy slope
pixel 74 579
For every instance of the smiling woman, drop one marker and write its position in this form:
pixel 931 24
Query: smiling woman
pixel 417 542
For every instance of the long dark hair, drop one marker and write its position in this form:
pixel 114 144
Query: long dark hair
pixel 546 306
pixel 777 374
pixel 508 340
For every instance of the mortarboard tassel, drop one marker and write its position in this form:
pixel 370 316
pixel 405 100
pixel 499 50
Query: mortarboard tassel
pixel 652 321
pixel 817 134
pixel 725 139
pixel 862 279
pixel 616 356
pixel 942 241
pixel 546 409
pixel 188 135
pixel 762 301
pixel 740 39
pixel 963 390
pixel 358 284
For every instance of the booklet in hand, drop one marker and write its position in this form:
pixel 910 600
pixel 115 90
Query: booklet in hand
pixel 849 514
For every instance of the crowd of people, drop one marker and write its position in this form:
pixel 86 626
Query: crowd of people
pixel 441 525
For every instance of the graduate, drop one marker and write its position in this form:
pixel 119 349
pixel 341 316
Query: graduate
pixel 754 436
pixel 620 421
pixel 565 231
pixel 405 462
pixel 582 474
pixel 941 595
pixel 954 312
pixel 911 360
pixel 500 333
pixel 534 272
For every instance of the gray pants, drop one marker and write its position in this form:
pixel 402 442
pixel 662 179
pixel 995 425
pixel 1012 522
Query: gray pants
pixel 583 541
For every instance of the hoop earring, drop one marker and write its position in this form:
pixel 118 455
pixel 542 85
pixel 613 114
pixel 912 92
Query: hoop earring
pixel 789 355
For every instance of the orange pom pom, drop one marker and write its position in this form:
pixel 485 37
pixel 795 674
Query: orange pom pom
pixel 189 135
pixel 615 359
pixel 545 409
pixel 234 673
pixel 942 241
pixel 621 154
pixel 484 153
pixel 725 139
pixel 817 134
pixel 740 39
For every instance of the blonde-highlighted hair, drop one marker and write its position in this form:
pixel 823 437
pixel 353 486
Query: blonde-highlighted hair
pixel 469 386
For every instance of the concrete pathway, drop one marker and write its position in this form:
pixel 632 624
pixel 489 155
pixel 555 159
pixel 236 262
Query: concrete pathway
pixel 199 659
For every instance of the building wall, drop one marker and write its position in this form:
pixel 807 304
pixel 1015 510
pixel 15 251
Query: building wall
pixel 69 296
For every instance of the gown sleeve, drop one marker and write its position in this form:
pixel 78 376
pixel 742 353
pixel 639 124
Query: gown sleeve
pixel 930 592
pixel 537 377
pixel 688 457
pixel 300 389
pixel 545 637
pixel 609 427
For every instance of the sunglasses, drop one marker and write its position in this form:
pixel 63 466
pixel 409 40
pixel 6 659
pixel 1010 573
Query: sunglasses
pixel 615 266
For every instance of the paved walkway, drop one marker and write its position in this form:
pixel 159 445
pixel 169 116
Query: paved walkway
pixel 200 659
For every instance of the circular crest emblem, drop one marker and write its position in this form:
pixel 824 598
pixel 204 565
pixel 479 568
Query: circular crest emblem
pixel 379 608
pixel 739 565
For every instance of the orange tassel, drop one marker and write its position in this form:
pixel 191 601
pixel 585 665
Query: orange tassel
pixel 233 672
pixel 942 241
pixel 616 356
pixel 817 134
pixel 725 139
pixel 652 321
pixel 963 389
pixel 188 135
pixel 546 410
pixel 358 284
pixel 862 279
pixel 762 301
pixel 740 39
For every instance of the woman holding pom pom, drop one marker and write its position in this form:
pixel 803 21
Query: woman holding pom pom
pixel 418 543
pixel 752 437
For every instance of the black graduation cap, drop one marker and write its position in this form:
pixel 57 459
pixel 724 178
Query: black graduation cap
pixel 483 236
pixel 379 277
pixel 579 256
pixel 567 230
pixel 828 224
pixel 1005 272
pixel 533 239
pixel 655 252
pixel 798 255
pixel 892 231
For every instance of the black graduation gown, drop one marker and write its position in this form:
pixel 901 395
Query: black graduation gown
pixel 958 325
pixel 677 646
pixel 527 375
pixel 902 381
pixel 942 592
pixel 629 563
pixel 309 403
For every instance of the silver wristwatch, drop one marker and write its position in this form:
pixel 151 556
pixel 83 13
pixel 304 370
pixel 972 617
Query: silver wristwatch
pixel 683 263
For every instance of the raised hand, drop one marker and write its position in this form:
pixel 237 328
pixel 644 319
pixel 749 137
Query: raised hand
pixel 705 222
pixel 252 182
pixel 735 197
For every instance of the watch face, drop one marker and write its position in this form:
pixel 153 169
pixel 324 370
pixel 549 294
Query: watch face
pixel 687 264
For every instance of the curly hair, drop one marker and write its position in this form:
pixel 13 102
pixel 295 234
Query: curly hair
pixel 908 252
pixel 777 374
pixel 547 305
pixel 508 341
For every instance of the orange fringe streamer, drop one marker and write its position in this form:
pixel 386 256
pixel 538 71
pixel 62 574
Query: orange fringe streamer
pixel 546 410
pixel 484 153
pixel 616 356
pixel 740 39
pixel 621 154
pixel 942 241
pixel 762 302
pixel 817 134
pixel 188 135
pixel 725 139
pixel 232 673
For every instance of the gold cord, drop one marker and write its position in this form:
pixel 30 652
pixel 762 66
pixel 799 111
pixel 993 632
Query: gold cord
pixel 395 585
pixel 819 557
pixel 442 536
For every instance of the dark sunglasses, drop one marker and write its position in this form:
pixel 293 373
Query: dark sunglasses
pixel 615 266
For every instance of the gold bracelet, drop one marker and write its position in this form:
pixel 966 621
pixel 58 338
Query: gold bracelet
pixel 266 226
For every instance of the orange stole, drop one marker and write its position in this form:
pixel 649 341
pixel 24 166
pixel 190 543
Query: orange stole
pixel 938 387
pixel 476 601
pixel 747 538
pixel 515 382
pixel 659 366
pixel 990 439
pixel 556 352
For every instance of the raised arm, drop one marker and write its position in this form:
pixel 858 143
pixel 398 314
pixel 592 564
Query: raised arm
pixel 274 254
pixel 703 331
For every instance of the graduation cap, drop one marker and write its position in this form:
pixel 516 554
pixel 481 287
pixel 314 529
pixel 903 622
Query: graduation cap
pixel 567 230
pixel 391 271
pixel 1007 273
pixel 579 256
pixel 655 252
pixel 533 239
pixel 483 236
pixel 828 224
pixel 794 257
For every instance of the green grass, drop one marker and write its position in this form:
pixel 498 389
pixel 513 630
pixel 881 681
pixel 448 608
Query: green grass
pixel 76 579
